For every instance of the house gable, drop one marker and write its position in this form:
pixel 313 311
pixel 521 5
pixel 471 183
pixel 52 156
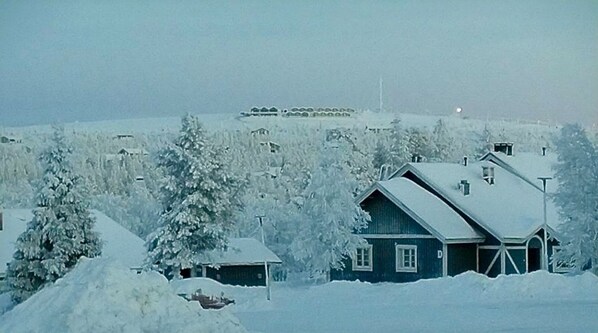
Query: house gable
pixel 387 218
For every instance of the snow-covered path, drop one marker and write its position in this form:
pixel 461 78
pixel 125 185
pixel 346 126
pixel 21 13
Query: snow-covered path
pixel 537 302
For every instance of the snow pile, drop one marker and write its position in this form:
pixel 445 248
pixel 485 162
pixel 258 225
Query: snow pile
pixel 102 296
pixel 474 287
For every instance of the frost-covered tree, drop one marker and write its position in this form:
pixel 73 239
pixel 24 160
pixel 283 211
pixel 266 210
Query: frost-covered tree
pixel 442 143
pixel 577 198
pixel 399 144
pixel 61 230
pixel 198 199
pixel 329 217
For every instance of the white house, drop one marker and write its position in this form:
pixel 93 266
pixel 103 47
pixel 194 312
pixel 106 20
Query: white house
pixel 119 243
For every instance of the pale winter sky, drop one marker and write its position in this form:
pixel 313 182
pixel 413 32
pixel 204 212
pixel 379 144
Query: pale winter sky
pixel 63 61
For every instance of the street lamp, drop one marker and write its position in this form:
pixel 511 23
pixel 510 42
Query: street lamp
pixel 544 180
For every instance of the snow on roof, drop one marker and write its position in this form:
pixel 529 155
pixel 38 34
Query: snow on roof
pixel 432 212
pixel 511 209
pixel 119 243
pixel 133 151
pixel 528 166
pixel 241 251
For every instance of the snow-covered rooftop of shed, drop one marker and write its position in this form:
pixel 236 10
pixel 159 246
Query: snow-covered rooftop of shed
pixel 529 166
pixel 119 243
pixel 241 251
pixel 444 221
pixel 511 209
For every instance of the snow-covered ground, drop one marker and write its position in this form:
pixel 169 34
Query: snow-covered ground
pixel 537 302
pixel 103 296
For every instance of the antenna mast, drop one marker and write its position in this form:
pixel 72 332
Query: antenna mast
pixel 380 89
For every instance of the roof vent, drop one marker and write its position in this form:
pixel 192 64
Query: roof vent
pixel 1 220
pixel 464 186
pixel 504 147
pixel 488 174
pixel 464 160
pixel 543 151
pixel 385 172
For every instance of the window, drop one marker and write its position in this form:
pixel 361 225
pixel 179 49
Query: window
pixel 362 260
pixel 406 258
pixel 559 266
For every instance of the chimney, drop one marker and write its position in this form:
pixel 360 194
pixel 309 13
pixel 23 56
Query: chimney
pixel 464 160
pixel 416 158
pixel 1 220
pixel 543 151
pixel 465 187
pixel 488 174
pixel 504 147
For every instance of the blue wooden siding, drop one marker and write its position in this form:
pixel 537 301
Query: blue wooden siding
pixel 387 218
pixel 384 262
pixel 461 258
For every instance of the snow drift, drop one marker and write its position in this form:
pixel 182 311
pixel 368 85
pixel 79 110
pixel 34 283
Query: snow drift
pixel 102 296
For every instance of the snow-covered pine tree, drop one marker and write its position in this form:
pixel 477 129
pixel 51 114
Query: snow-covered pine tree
pixel 329 218
pixel 577 198
pixel 442 143
pixel 61 230
pixel 399 144
pixel 198 199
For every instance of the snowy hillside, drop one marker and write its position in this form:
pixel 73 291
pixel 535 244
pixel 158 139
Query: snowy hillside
pixel 100 296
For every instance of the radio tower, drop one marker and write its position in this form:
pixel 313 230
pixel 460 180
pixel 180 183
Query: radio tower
pixel 380 88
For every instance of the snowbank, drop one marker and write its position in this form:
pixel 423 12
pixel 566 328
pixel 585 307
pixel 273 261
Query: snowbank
pixel 102 296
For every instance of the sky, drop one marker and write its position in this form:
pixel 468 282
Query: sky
pixel 65 61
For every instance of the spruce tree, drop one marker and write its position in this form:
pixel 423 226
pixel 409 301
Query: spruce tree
pixel 61 230
pixel 198 199
pixel 330 218
pixel 577 198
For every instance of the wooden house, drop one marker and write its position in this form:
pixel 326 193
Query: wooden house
pixel 273 147
pixel 10 139
pixel 419 205
pixel 243 263
pixel 260 131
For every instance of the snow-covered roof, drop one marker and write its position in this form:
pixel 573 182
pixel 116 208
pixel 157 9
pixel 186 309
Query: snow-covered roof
pixel 119 243
pixel 511 209
pixel 241 251
pixel 528 166
pixel 133 151
pixel 431 212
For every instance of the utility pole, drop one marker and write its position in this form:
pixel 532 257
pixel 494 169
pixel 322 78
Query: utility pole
pixel 267 275
pixel 544 180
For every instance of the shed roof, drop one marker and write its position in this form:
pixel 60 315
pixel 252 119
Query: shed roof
pixel 119 243
pixel 240 251
pixel 428 210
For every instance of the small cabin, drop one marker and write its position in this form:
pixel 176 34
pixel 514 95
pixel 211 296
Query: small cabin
pixel 260 131
pixel 133 152
pixel 273 147
pixel 243 263
pixel 8 139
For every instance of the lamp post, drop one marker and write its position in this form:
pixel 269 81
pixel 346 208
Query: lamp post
pixel 544 180
pixel 267 275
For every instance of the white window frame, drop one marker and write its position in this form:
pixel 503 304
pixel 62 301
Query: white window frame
pixel 368 249
pixel 556 268
pixel 399 258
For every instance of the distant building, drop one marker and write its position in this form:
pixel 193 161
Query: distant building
pixel 124 136
pixel 273 147
pixel 10 139
pixel 133 152
pixel 260 131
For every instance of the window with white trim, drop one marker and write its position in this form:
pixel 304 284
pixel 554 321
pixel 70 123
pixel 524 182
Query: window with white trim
pixel 406 256
pixel 362 260
pixel 559 266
